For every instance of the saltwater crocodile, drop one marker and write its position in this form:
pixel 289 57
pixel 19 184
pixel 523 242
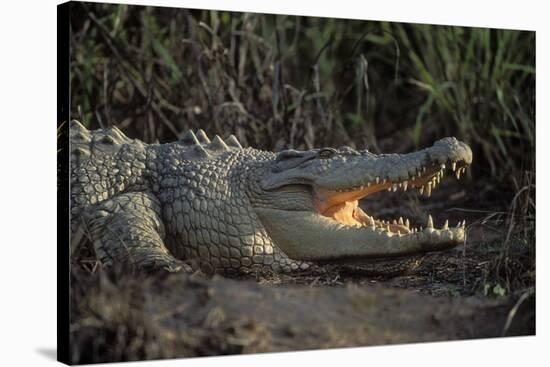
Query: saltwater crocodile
pixel 229 208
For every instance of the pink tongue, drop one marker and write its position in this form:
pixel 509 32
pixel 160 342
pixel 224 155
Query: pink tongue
pixel 343 213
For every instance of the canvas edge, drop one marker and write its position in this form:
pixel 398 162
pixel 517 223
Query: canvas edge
pixel 63 233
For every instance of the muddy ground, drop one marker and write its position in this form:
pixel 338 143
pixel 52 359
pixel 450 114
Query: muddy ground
pixel 482 289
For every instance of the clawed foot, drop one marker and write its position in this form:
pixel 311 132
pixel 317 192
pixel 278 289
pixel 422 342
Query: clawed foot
pixel 169 265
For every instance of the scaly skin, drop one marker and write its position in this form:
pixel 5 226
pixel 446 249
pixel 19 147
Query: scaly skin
pixel 240 209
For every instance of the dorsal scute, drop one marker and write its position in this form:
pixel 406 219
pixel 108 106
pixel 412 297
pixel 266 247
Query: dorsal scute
pixel 201 145
pixel 203 138
pixel 117 135
pixel 189 138
pixel 217 144
pixel 78 132
pixel 80 138
pixel 233 142
pixel 201 151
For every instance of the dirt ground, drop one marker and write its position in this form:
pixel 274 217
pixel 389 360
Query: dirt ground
pixel 464 293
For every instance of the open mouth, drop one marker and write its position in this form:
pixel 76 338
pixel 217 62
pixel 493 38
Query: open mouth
pixel 341 204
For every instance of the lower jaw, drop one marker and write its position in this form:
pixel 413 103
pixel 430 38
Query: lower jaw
pixel 349 214
pixel 309 236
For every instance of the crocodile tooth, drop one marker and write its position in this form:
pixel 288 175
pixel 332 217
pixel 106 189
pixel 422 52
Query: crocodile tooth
pixel 400 220
pixel 394 187
pixel 424 169
pixel 458 225
pixel 430 222
pixel 377 179
pixel 370 219
pixel 458 174
pixel 442 166
pixel 407 223
pixel 429 190
pixel 394 222
pixel 453 166
pixel 384 181
pixel 405 185
pixel 445 225
pixel 421 190
pixel 464 223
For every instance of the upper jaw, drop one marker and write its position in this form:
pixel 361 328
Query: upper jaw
pixel 422 169
pixel 353 171
pixel 304 235
pixel 425 179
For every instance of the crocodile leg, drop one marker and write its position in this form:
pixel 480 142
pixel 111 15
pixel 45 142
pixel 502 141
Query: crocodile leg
pixel 127 230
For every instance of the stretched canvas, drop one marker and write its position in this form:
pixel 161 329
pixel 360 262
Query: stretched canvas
pixel 236 183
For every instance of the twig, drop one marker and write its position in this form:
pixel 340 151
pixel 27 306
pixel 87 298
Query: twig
pixel 514 309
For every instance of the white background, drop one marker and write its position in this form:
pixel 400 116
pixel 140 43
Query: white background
pixel 28 181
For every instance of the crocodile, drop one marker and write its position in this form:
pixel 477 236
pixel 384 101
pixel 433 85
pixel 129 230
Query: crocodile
pixel 225 208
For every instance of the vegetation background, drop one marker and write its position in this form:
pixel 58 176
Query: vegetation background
pixel 279 82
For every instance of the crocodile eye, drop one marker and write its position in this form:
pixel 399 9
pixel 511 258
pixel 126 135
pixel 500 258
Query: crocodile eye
pixel 326 153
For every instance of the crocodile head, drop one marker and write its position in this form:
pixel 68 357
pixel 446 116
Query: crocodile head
pixel 308 201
